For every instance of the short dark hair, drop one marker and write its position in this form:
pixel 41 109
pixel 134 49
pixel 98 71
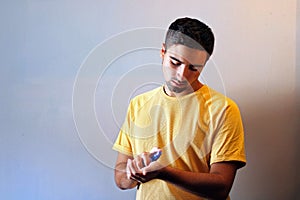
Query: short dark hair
pixel 192 33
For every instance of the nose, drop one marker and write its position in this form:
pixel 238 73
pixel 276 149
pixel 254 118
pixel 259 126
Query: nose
pixel 181 72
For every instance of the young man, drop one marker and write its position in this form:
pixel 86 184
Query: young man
pixel 198 131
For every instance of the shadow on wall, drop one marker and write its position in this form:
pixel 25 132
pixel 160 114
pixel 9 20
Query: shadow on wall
pixel 298 94
pixel 271 128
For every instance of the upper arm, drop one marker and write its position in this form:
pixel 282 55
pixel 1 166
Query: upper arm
pixel 227 170
pixel 121 162
pixel 228 140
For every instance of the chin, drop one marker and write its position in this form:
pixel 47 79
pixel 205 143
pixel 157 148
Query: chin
pixel 176 89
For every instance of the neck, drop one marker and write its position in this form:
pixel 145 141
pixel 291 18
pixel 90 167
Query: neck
pixel 194 87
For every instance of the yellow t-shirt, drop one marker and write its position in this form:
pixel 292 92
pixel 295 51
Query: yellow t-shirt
pixel 193 132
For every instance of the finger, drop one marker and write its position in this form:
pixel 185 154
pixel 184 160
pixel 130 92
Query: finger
pixel 152 167
pixel 139 161
pixel 137 165
pixel 136 179
pixel 139 178
pixel 145 159
pixel 130 169
pixel 147 169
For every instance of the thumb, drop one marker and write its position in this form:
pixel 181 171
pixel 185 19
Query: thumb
pixel 152 167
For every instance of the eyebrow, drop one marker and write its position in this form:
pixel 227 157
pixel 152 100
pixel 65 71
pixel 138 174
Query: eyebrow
pixel 173 58
pixel 191 65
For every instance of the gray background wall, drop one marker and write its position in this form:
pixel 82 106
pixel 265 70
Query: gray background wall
pixel 45 43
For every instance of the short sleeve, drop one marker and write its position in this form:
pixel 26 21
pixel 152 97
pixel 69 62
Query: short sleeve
pixel 228 144
pixel 123 142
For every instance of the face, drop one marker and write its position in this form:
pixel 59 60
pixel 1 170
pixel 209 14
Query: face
pixel 181 68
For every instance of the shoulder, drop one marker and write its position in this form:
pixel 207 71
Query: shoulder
pixel 141 99
pixel 218 100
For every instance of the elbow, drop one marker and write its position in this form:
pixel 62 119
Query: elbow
pixel 221 194
pixel 123 183
pixel 216 196
pixel 120 184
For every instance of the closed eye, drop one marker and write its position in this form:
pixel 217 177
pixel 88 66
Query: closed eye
pixel 195 67
pixel 175 61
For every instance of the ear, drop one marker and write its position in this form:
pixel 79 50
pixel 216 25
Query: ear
pixel 163 50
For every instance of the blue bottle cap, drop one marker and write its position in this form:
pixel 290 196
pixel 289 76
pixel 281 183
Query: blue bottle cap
pixel 155 156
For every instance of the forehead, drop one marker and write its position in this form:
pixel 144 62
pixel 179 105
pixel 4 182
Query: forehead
pixel 184 53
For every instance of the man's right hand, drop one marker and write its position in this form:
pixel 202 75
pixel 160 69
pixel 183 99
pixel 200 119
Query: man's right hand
pixel 144 167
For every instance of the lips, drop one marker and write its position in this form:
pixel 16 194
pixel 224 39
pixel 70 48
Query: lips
pixel 178 83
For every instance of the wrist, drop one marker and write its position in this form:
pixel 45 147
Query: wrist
pixel 163 173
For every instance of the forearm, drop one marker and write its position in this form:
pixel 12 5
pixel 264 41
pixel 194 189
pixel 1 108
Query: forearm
pixel 121 177
pixel 209 185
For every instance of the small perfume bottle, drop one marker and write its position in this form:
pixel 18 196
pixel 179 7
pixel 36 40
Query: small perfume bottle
pixel 155 154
